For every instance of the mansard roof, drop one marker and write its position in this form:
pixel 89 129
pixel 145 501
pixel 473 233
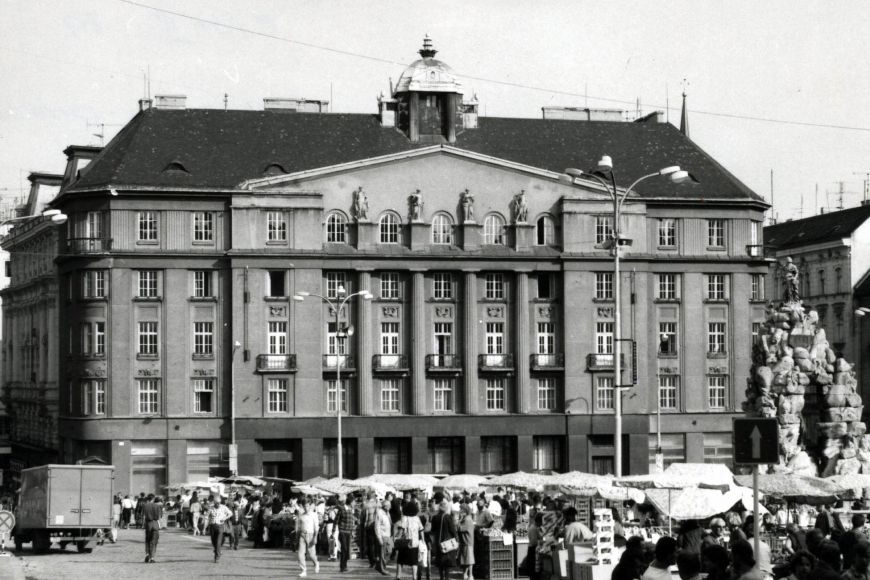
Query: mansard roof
pixel 221 149
pixel 827 227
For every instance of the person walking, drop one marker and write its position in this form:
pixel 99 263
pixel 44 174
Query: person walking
pixel 126 511
pixel 306 531
pixel 409 536
pixel 195 514
pixel 444 540
pixel 218 515
pixel 139 510
pixel 152 513
pixel 236 524
pixel 466 541
pixel 383 529
pixel 346 524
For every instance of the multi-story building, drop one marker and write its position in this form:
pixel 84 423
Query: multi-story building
pixel 830 251
pixel 488 344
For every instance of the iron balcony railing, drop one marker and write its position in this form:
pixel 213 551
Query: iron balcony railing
pixel 602 362
pixel 445 362
pixel 547 362
pixel 389 362
pixel 495 362
pixel 88 245
pixel 276 362
pixel 331 362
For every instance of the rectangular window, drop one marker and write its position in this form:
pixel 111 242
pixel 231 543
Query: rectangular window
pixel 93 397
pixel 392 455
pixel 93 284
pixel 446 455
pixel 757 288
pixel 147 338
pixel 336 284
pixel 147 228
pixel 546 338
pixel 673 450
pixel 667 338
pixel 716 233
pixel 715 286
pixel 276 227
pixel 603 229
pixel 498 455
pixel 335 344
pixel 203 226
pixel 443 336
pixel 718 448
pixel 147 283
pixel 604 393
pixel 821 282
pixel 203 338
pixel 277 281
pixel 389 285
pixel 666 285
pixel 494 286
pixel 389 338
pixel 148 396
pixel 495 394
pixel 494 343
pixel 545 286
pixel 444 395
pixel 202 287
pixel 203 395
pixel 668 392
pixel 277 337
pixel 390 395
pixel 442 286
pixel 756 332
pixel 667 233
pixel 93 225
pixel 717 391
pixel 278 395
pixel 93 338
pixel 604 285
pixel 547 453
pixel 716 337
pixel 603 338
pixel 547 394
pixel 332 396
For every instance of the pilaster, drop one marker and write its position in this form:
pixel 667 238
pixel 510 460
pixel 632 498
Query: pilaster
pixel 418 346
pixel 522 342
pixel 364 347
pixel 470 324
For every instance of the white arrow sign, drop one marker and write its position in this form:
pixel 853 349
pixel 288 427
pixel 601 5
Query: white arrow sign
pixel 756 443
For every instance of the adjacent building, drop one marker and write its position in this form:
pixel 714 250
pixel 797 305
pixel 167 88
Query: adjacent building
pixel 488 343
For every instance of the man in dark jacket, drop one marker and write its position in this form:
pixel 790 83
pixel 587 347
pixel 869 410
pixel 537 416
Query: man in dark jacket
pixel 828 565
pixel 152 513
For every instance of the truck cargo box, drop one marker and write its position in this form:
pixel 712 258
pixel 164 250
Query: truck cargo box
pixel 66 496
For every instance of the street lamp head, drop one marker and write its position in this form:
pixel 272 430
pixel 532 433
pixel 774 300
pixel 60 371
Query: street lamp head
pixel 367 295
pixel 605 164
pixel 859 312
pixel 50 212
pixel 59 219
pixel 670 170
pixel 341 290
pixel 298 298
pixel 303 293
pixel 682 177
pixel 237 344
pixel 571 174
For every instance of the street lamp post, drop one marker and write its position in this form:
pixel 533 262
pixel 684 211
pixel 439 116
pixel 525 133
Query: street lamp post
pixel 604 175
pixel 234 450
pixel 57 217
pixel 337 306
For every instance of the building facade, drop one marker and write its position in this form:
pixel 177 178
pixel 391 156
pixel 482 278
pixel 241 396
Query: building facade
pixel 488 344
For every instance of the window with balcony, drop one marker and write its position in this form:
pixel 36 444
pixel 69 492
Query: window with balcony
pixel 443 343
pixel 203 339
pixel 86 232
pixel 545 231
pixel 494 344
pixel 604 393
pixel 278 395
pixel 276 227
pixel 717 392
pixel 716 338
pixel 336 228
pixel 146 230
pixel 495 394
pixel 547 394
pixel 443 395
pixel 667 286
pixel 203 396
pixel 390 390
pixel 668 392
pixel 389 285
pixel 546 338
pixel 442 230
pixel 668 338
pixel 147 339
pixel 93 393
pixel 667 233
pixel 716 287
pixel 203 227
pixel 334 282
pixel 604 285
pixel 146 286
pixel 604 341
pixel 388 228
pixel 389 344
pixel 716 234
pixel 756 291
pixel 493 230
pixel 277 337
pixel 442 286
pixel 202 284
pixel 548 453
pixel 603 229
pixel 93 284
pixel 494 286
pixel 148 396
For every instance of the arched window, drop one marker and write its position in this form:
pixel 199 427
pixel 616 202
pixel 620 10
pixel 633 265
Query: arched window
pixel 336 228
pixel 388 226
pixel 493 230
pixel 442 229
pixel 545 230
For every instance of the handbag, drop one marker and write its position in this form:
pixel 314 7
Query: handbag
pixel 448 547
pixel 402 541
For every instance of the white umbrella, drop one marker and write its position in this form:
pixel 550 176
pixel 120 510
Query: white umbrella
pixel 462 481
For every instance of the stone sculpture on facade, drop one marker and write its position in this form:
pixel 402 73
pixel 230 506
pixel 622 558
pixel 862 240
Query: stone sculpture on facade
pixel 799 380
pixel 415 200
pixel 521 210
pixel 360 208
pixel 467 199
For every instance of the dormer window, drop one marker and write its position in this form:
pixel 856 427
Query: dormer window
pixel 175 166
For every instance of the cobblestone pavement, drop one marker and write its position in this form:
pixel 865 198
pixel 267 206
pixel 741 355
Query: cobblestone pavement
pixel 180 555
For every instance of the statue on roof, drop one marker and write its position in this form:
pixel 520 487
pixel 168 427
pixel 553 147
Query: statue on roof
pixel 521 210
pixel 792 281
pixel 415 200
pixel 467 205
pixel 360 208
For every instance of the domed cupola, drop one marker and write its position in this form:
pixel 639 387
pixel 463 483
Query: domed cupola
pixel 427 100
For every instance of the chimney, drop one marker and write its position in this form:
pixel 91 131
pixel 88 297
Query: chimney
pixel 170 102
pixel 294 105
pixel 77 158
pixel 145 104
pixel 469 112
pixel 387 110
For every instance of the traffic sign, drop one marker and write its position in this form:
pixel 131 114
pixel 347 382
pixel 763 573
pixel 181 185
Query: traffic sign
pixel 7 521
pixel 756 441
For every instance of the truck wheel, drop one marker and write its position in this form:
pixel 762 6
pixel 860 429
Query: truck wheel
pixel 18 543
pixel 63 545
pixel 82 547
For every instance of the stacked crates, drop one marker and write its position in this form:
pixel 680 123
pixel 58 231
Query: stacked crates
pixel 604 533
pixel 492 559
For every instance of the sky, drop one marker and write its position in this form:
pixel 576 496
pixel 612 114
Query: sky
pixel 774 87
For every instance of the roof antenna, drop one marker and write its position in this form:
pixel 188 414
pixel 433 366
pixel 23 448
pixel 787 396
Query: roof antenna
pixel 148 88
pixel 667 105
pixel 226 101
